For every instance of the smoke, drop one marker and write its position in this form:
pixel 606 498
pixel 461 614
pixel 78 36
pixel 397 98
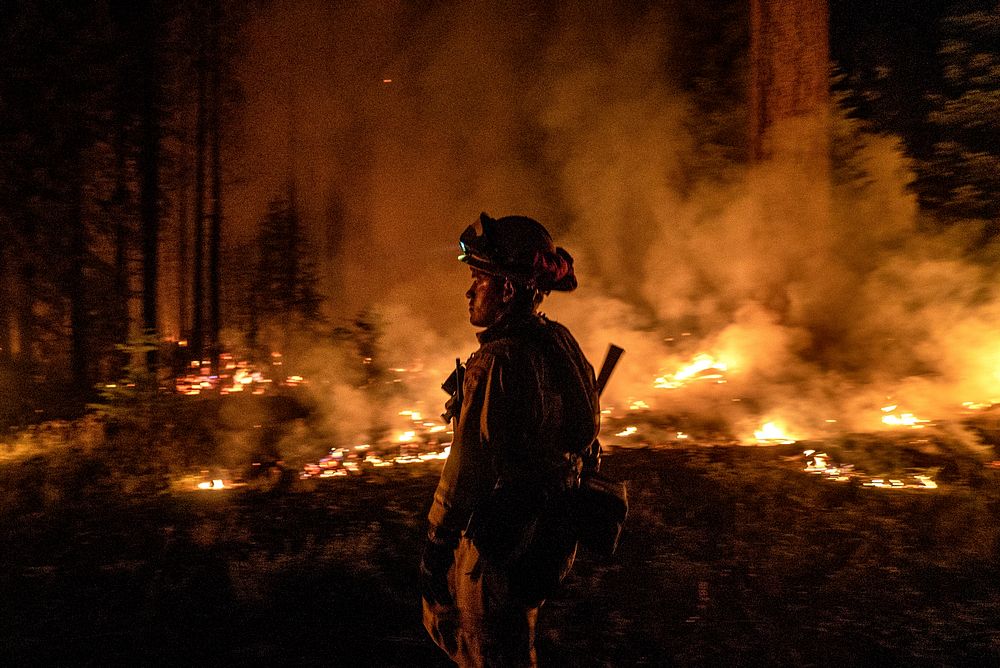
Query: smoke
pixel 826 300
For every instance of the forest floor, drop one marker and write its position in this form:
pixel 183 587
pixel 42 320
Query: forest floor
pixel 731 556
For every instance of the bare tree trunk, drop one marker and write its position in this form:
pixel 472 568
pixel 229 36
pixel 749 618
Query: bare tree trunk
pixel 149 172
pixel 197 306
pixel 293 260
pixel 25 314
pixel 789 117
pixel 120 200
pixel 183 244
pixel 5 314
pixel 215 235
pixel 76 286
pixel 291 248
pixel 789 80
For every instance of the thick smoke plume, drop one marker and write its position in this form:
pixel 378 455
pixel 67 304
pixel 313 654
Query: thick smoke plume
pixel 826 301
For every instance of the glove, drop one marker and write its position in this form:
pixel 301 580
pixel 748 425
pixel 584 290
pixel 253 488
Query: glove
pixel 452 409
pixel 592 458
pixel 453 386
pixel 437 558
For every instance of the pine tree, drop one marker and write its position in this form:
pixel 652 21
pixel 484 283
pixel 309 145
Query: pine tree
pixel 943 100
pixel 285 282
pixel 961 177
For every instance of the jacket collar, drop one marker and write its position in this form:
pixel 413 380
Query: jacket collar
pixel 508 325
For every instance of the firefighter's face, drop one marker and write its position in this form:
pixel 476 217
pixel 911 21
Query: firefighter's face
pixel 486 298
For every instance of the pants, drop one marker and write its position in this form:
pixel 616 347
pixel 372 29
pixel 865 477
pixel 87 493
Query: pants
pixel 485 626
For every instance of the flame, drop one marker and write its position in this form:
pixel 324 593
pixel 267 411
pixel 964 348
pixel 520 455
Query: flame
pixel 773 433
pixel 627 431
pixel 902 419
pixel 702 367
pixel 215 484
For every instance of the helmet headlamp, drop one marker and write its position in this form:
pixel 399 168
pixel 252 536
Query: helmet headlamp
pixel 477 249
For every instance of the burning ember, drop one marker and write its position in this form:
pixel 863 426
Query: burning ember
pixel 703 367
pixel 419 442
pixel 922 482
pixel 352 461
pixel 818 463
pixel 236 376
pixel 219 482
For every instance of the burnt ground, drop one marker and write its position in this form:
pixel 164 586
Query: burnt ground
pixel 731 557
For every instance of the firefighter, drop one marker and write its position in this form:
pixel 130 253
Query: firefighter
pixel 500 535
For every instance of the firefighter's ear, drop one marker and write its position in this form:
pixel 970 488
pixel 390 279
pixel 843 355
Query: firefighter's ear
pixel 508 290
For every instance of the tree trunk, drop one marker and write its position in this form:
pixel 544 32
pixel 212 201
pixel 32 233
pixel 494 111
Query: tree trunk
pixel 197 305
pixel 5 314
pixel 120 200
pixel 292 261
pixel 76 286
pixel 215 235
pixel 149 172
pixel 789 80
pixel 183 244
pixel 26 315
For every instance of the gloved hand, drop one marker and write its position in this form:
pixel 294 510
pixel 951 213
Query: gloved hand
pixel 437 558
pixel 453 386
pixel 452 409
pixel 592 458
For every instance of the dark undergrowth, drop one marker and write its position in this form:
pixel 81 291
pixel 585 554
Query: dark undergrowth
pixel 731 557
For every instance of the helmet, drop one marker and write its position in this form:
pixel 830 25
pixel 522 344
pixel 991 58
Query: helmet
pixel 519 248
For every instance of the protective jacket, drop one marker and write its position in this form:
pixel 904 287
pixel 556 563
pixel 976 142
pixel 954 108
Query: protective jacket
pixel 530 411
